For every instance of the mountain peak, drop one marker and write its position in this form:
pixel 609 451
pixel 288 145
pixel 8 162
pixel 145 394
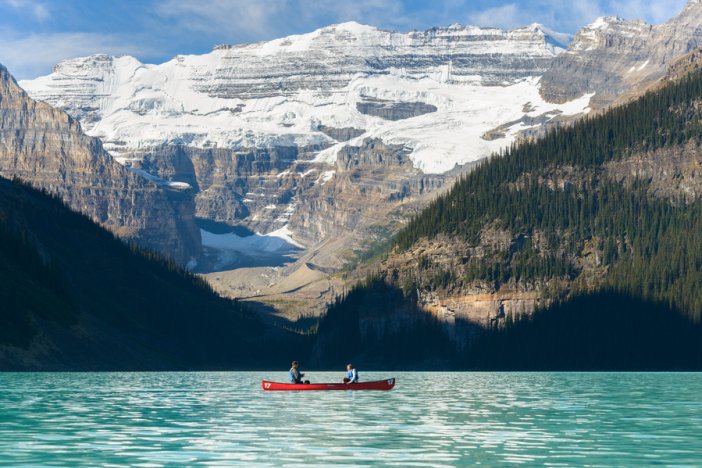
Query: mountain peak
pixel 692 8
pixel 603 22
pixel 350 26
pixel 594 35
pixel 81 65
pixel 536 27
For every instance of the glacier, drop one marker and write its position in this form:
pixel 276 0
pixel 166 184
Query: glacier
pixel 279 93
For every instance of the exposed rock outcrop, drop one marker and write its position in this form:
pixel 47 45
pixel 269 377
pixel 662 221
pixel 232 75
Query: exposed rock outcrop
pixel 47 148
pixel 370 182
pixel 341 134
pixel 674 173
pixel 611 56
pixel 254 186
pixel 264 189
pixel 390 110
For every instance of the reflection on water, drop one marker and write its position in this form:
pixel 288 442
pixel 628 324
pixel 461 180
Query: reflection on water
pixel 430 419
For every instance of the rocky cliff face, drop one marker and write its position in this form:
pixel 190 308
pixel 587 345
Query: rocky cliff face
pixel 264 188
pixel 47 148
pixel 233 185
pixel 612 56
pixel 369 184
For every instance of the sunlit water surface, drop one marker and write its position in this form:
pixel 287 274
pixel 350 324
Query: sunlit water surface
pixel 430 419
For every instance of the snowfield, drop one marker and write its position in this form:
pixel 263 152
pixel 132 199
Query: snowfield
pixel 279 240
pixel 272 249
pixel 453 134
pixel 278 93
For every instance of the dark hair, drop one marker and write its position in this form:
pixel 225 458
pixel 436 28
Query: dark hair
pixel 349 365
pixel 295 363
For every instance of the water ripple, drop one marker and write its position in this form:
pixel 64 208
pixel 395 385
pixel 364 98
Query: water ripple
pixel 430 419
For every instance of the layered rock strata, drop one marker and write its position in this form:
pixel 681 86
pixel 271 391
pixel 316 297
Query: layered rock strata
pixel 46 147
pixel 612 55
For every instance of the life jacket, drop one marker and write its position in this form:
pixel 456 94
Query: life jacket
pixel 295 375
pixel 353 375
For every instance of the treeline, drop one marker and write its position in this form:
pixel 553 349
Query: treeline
pixel 654 248
pixel 379 325
pixel 553 197
pixel 31 287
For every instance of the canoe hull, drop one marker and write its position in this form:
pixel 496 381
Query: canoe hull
pixel 386 384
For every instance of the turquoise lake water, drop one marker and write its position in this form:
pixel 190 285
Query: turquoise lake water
pixel 430 419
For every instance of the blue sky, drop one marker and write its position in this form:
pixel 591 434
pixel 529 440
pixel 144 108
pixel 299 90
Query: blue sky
pixel 35 34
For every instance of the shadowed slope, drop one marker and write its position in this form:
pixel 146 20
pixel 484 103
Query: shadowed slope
pixel 75 297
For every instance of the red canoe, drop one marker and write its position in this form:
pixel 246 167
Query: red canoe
pixel 386 384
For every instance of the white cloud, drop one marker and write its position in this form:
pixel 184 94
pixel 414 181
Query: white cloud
pixel 32 55
pixel 39 10
pixel 553 13
pixel 572 15
pixel 655 12
pixel 363 11
pixel 505 16
pixel 269 19
pixel 240 17
pixel 252 20
pixel 247 20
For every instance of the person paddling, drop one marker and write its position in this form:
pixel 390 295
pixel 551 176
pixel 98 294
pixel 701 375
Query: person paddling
pixel 352 374
pixel 295 374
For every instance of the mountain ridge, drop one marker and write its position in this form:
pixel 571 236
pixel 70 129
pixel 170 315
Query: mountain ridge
pixel 77 298
pixel 390 47
pixel 613 55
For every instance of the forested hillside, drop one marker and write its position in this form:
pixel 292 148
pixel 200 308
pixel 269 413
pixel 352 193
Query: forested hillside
pixel 603 212
pixel 75 297
pixel 655 244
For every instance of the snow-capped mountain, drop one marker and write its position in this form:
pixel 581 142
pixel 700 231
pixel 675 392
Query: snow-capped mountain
pixel 324 142
pixel 319 135
pixel 457 82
